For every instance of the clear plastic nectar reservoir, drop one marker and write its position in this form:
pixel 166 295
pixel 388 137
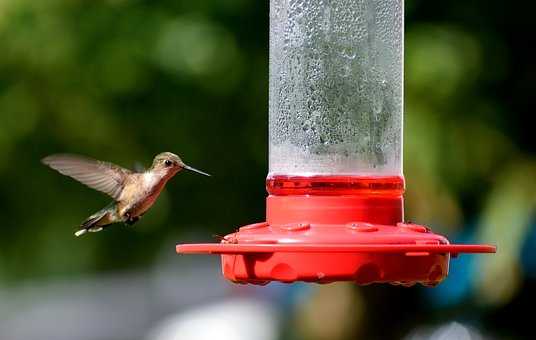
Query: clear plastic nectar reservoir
pixel 336 95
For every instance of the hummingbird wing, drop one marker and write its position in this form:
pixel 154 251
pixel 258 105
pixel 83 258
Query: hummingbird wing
pixel 102 176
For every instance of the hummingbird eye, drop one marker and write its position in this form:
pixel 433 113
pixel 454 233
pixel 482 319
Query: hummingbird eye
pixel 168 162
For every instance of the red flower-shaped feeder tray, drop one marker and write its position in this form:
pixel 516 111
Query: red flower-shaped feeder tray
pixel 361 252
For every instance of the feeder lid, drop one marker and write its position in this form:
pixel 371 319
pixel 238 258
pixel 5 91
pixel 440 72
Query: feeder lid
pixel 362 252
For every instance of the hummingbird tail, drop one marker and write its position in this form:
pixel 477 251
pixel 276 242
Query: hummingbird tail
pixel 80 232
pixel 92 223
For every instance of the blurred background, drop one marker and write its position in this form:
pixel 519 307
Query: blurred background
pixel 122 80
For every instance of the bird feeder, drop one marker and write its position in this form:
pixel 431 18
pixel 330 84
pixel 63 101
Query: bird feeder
pixel 335 206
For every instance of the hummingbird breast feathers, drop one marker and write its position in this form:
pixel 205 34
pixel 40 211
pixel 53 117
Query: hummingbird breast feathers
pixel 140 193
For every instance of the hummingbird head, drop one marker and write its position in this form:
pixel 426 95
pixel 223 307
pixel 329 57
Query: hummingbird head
pixel 170 164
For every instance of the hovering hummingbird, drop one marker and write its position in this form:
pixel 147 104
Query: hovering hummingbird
pixel 133 192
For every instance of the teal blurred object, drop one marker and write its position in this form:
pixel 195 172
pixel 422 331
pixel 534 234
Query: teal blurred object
pixel 461 279
pixel 528 251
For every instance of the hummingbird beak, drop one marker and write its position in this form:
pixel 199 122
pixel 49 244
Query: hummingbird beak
pixel 187 167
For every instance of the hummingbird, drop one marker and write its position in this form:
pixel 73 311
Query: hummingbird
pixel 133 192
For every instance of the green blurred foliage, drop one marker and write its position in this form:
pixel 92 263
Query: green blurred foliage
pixel 122 80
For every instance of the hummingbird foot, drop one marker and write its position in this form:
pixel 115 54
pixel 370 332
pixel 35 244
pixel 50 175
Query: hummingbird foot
pixel 131 220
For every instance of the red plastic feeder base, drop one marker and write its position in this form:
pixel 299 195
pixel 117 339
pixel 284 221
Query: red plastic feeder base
pixel 321 238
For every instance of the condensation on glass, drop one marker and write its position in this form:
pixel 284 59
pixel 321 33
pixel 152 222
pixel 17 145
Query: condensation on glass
pixel 336 83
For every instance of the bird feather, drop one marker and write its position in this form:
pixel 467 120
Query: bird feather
pixel 101 176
